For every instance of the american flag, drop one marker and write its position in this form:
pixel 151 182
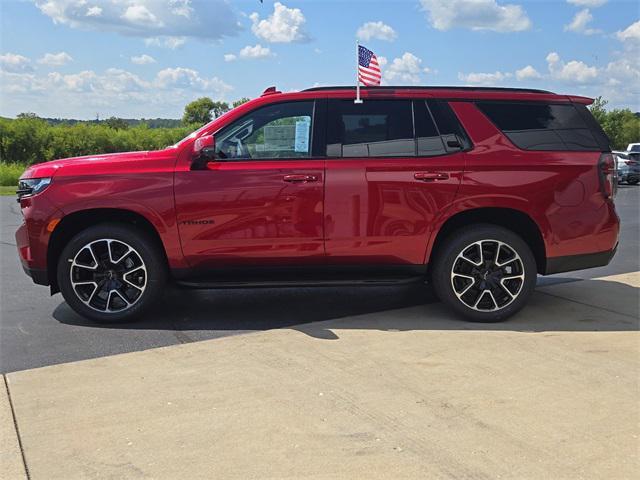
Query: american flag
pixel 368 67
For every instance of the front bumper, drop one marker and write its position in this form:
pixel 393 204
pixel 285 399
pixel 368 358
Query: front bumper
pixel 579 262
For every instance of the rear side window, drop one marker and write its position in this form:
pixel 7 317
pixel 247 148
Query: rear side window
pixel 449 126
pixel 393 128
pixel 380 128
pixel 427 134
pixel 541 126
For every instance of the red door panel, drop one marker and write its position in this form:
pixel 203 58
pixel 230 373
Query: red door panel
pixel 252 212
pixel 381 210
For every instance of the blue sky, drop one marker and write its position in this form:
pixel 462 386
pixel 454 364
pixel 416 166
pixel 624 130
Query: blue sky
pixel 148 58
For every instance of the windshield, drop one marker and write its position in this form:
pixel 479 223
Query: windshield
pixel 634 147
pixel 198 131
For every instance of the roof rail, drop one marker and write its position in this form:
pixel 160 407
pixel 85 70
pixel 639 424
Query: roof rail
pixel 439 87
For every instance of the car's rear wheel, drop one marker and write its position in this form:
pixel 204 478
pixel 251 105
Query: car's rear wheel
pixel 484 272
pixel 111 273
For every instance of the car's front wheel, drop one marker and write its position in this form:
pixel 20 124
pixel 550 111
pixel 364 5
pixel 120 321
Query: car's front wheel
pixel 111 273
pixel 484 272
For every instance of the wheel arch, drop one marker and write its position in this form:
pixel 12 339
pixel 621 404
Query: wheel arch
pixel 517 221
pixel 73 223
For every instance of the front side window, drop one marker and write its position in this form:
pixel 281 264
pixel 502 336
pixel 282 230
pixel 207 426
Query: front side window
pixel 281 130
pixel 375 128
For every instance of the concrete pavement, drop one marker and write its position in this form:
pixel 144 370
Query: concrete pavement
pixel 406 393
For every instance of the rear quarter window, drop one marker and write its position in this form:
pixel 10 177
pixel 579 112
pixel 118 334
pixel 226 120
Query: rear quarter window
pixel 542 126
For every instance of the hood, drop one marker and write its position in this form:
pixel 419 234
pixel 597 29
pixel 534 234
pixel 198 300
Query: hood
pixel 49 169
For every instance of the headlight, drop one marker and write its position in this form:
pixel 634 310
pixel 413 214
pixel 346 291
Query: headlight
pixel 31 186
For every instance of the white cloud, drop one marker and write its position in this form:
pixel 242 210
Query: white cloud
pixel 94 11
pixel 229 57
pixel 141 15
pixel 166 42
pixel 143 59
pixel 84 81
pixel 527 73
pixel 406 69
pixel 571 72
pixel 14 63
pixel 112 92
pixel 580 23
pixel 55 59
pixel 187 78
pixel 484 78
pixel 211 19
pixel 378 30
pixel 257 51
pixel 630 34
pixel 476 15
pixel 284 25
pixel 587 3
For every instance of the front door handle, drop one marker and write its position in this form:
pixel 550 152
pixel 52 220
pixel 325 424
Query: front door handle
pixel 300 178
pixel 430 176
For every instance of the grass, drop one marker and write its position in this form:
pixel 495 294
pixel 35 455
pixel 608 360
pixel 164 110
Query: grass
pixel 9 174
pixel 7 190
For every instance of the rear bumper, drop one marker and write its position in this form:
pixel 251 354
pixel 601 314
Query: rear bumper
pixel 579 262
pixel 39 277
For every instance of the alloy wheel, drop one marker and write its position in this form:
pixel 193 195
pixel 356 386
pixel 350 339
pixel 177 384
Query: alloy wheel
pixel 108 275
pixel 487 275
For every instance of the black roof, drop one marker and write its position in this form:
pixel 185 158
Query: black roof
pixel 439 87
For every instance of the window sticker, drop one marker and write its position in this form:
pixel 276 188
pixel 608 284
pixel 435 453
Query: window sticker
pixel 302 135
pixel 278 138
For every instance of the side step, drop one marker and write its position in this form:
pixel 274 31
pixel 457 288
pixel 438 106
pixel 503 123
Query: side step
pixel 284 283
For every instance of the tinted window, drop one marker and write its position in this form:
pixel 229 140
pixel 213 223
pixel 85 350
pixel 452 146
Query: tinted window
pixel 427 135
pixel 448 124
pixel 540 126
pixel 281 130
pixel 375 128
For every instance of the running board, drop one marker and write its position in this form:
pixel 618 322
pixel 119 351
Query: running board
pixel 364 282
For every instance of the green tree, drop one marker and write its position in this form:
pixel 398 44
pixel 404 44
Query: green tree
pixel 622 126
pixel 240 101
pixel 219 108
pixel 116 123
pixel 198 111
pixel 598 109
pixel 27 115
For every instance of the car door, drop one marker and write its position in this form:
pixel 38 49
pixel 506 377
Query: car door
pixel 260 202
pixel 390 172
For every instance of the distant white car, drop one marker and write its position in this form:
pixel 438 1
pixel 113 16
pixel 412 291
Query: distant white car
pixel 633 147
pixel 628 164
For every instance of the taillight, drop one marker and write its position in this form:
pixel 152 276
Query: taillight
pixel 607 171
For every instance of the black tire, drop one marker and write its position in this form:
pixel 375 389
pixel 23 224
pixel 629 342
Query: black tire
pixel 633 181
pixel 468 241
pixel 143 259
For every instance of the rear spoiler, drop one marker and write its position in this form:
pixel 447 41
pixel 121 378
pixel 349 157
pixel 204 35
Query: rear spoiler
pixel 579 99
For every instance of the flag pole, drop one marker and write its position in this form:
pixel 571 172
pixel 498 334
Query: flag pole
pixel 357 100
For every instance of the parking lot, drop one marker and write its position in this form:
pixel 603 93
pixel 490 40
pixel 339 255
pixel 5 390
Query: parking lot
pixel 326 383
pixel 38 330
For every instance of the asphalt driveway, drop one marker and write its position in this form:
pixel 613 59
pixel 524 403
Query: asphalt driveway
pixel 38 330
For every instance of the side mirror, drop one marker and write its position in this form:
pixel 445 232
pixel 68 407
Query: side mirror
pixel 206 142
pixel 204 151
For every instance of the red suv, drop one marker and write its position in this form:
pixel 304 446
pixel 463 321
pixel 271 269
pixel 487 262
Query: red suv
pixel 476 190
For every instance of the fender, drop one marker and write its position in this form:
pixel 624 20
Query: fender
pixel 469 203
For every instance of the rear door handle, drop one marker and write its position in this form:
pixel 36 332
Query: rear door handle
pixel 300 178
pixel 430 176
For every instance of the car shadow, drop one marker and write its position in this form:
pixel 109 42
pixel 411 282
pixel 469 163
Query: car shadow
pixel 320 311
